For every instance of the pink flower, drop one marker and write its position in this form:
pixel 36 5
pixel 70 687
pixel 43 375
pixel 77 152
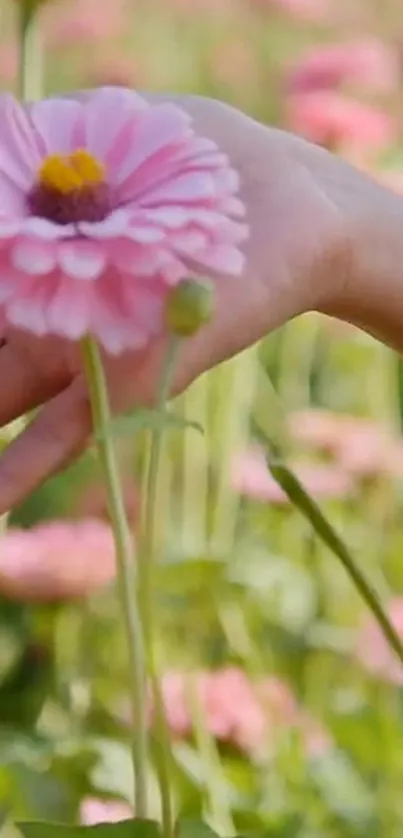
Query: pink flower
pixel 8 62
pixel 56 561
pixel 362 447
pixel 116 70
pixel 372 650
pixel 333 120
pixel 94 811
pixel 367 63
pixel 79 22
pixel 104 201
pixel 235 710
pixel 251 477
pixel 303 9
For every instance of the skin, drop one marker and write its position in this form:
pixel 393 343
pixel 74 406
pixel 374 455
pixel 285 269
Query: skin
pixel 323 236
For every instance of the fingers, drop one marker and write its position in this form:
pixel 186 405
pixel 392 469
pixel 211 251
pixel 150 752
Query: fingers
pixel 25 384
pixel 57 435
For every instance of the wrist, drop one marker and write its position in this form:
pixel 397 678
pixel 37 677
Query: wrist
pixel 371 293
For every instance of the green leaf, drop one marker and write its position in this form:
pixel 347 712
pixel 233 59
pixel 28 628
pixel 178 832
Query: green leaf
pixel 189 828
pixel 132 828
pixel 148 419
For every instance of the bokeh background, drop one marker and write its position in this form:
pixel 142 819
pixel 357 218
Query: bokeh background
pixel 284 703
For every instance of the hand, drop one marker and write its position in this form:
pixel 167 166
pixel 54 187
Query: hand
pixel 300 206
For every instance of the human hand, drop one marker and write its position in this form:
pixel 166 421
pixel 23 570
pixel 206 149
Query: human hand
pixel 302 204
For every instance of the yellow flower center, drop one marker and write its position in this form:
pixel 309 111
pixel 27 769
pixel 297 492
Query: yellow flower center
pixel 72 172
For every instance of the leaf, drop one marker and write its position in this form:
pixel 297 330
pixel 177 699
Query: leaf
pixel 132 828
pixel 341 787
pixel 148 419
pixel 189 828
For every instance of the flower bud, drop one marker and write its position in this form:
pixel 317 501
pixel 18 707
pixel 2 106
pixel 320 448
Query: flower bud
pixel 189 307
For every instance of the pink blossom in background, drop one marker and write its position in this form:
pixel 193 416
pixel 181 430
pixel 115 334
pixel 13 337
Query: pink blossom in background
pixel 8 63
pixel 331 119
pixel 362 448
pixel 76 22
pixel 94 811
pixel 310 10
pixel 236 710
pixel 251 477
pixel 368 64
pixel 56 561
pixel 115 70
pixel 104 201
pixel 373 652
pixel 320 429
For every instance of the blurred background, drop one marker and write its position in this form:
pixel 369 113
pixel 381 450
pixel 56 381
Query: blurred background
pixel 296 730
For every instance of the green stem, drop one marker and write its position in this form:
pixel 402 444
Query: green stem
pixel 302 501
pixel 145 583
pixel 125 568
pixel 30 69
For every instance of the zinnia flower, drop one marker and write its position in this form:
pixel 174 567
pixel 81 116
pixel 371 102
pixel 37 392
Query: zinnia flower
pixel 235 710
pixel 56 561
pixel 367 63
pixel 335 121
pixel 104 201
pixel 94 811
pixel 251 477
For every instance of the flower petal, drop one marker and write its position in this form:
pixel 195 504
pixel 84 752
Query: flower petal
pixel 111 114
pixel 187 188
pixel 41 228
pixel 81 259
pixel 33 257
pixel 59 124
pixel 159 127
pixel 68 313
pixel 19 152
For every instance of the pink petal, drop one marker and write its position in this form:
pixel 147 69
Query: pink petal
pixel 58 122
pixel 33 257
pixel 225 260
pixel 130 257
pixel 116 224
pixel 189 188
pixel 41 228
pixel 111 114
pixel 159 126
pixel 81 259
pixel 19 154
pixel 28 309
pixel 68 313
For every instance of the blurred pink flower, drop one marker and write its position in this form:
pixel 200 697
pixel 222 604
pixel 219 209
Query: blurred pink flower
pixel 56 561
pixel 210 7
pixel 373 652
pixel 104 200
pixel 8 62
pixel 362 447
pixel 368 64
pixel 116 70
pixel 250 476
pixel 331 119
pixel 235 710
pixel 94 811
pixel 310 10
pixel 78 22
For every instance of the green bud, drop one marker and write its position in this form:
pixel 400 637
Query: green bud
pixel 189 307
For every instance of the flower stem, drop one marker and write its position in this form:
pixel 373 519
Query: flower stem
pixel 30 69
pixel 125 568
pixel 145 582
